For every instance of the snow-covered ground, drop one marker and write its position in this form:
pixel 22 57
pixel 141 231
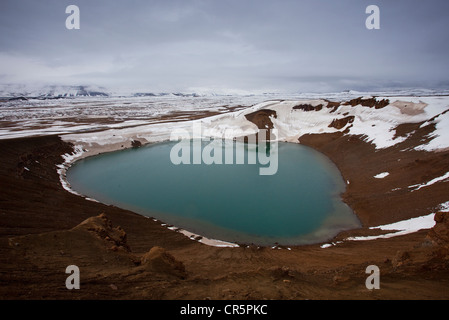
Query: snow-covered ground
pixel 377 126
pixel 20 118
pixel 37 116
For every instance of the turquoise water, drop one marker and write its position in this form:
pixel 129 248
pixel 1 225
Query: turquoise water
pixel 299 204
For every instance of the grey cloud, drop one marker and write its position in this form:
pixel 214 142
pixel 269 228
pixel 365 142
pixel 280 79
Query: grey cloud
pixel 277 45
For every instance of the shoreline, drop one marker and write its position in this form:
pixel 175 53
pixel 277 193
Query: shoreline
pixel 81 153
pixel 70 159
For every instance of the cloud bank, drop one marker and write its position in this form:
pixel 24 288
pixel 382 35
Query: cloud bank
pixel 264 45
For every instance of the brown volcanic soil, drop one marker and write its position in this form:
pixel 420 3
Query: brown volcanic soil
pixel 122 255
pixel 374 200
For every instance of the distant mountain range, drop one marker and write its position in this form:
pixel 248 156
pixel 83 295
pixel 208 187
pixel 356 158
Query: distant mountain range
pixel 150 94
pixel 22 92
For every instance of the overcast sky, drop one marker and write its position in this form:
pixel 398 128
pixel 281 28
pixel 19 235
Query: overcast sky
pixel 216 45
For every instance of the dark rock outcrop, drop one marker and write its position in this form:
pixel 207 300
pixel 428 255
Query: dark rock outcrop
pixel 261 118
pixel 440 232
pixel 333 104
pixel 18 99
pixel 159 260
pixel 370 102
pixel 308 107
pixel 136 143
pixel 341 123
pixel 102 228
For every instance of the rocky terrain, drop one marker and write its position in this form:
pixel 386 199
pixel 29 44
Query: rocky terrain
pixel 122 255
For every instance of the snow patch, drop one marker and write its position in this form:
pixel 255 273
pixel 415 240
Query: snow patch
pixel 440 135
pixel 402 228
pixel 209 242
pixel 382 175
pixel 69 158
pixel 328 245
pixel 443 178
